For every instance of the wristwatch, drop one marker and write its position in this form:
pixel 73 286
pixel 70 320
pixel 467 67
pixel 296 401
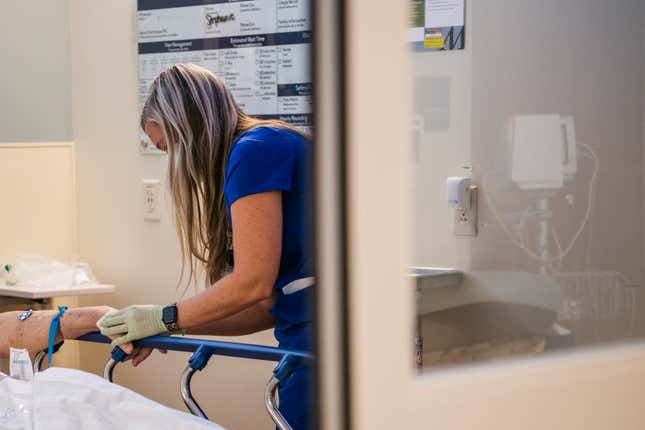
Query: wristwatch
pixel 169 316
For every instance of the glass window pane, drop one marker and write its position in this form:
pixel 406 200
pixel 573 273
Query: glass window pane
pixel 542 111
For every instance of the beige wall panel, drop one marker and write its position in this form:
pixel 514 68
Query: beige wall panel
pixel 38 212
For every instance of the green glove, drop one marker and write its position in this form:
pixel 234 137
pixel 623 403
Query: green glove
pixel 134 322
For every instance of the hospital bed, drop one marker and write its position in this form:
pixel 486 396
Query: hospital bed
pixel 202 350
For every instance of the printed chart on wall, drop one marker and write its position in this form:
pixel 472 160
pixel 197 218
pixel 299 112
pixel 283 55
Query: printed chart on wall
pixel 437 25
pixel 260 48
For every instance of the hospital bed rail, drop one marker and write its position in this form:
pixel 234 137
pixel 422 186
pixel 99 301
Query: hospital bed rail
pixel 202 350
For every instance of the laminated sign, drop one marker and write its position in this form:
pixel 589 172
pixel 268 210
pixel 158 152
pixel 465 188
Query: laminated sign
pixel 438 25
pixel 261 49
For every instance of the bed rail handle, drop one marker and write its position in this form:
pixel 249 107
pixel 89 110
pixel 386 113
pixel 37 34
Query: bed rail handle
pixel 117 356
pixel 38 360
pixel 288 362
pixel 282 371
pixel 197 362
pixel 272 406
pixel 187 395
pixel 40 357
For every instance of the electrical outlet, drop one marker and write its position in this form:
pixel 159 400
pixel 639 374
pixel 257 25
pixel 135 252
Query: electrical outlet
pixel 465 220
pixel 151 203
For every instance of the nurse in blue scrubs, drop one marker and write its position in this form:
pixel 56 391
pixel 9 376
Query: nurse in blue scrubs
pixel 241 202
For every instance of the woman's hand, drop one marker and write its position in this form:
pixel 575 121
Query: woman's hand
pixel 101 311
pixel 133 323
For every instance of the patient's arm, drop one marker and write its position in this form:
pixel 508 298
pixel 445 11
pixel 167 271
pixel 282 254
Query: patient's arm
pixel 33 333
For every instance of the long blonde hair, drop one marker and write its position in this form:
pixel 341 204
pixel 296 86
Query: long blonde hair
pixel 200 120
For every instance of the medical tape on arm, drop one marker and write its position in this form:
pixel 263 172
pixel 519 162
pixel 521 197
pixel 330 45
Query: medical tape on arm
pixel 53 328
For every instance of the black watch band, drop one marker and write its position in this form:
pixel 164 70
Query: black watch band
pixel 169 316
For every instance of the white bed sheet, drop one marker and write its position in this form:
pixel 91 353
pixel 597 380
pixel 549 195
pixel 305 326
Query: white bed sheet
pixel 67 399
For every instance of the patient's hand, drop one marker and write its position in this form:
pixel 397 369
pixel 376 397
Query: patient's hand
pixel 128 348
pixel 140 354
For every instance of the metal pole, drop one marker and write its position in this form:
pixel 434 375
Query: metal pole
pixel 109 369
pixel 38 361
pixel 271 405
pixel 187 395
pixel 544 214
pixel 418 341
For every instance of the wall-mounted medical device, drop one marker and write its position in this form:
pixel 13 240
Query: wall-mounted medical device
pixel 543 150
pixel 458 192
pixel 461 195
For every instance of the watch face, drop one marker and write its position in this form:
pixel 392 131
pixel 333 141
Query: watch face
pixel 169 314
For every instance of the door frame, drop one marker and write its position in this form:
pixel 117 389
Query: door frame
pixel 332 316
pixel 364 245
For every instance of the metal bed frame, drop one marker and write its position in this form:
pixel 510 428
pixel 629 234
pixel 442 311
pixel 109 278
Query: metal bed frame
pixel 202 350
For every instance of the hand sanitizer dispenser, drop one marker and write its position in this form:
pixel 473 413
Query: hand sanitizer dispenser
pixel 458 192
pixel 462 198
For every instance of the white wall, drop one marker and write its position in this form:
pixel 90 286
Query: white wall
pixel 37 213
pixel 443 79
pixel 587 63
pixel 142 259
pixel 35 77
pixel 581 58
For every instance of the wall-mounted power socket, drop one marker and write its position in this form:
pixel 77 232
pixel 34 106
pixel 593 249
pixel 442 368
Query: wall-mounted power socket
pixel 465 220
pixel 151 200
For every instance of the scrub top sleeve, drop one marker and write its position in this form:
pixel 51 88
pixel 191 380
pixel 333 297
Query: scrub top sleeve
pixel 258 167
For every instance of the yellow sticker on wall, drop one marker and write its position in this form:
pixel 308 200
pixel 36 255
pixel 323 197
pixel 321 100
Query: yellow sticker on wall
pixel 434 42
pixel 433 39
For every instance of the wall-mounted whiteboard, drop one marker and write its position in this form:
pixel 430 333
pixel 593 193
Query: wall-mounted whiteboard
pixel 260 48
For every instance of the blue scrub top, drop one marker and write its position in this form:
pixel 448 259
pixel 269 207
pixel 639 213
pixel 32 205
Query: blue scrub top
pixel 267 159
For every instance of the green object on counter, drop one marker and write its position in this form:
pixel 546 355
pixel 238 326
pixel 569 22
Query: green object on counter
pixel 10 281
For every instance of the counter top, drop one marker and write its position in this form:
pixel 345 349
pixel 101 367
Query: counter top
pixel 441 289
pixel 435 277
pixel 31 293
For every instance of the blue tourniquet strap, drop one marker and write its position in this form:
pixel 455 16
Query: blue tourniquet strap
pixel 53 328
